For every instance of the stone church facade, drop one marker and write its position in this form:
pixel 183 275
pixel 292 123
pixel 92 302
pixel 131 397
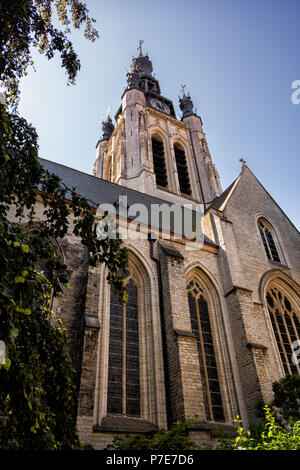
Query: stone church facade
pixel 205 330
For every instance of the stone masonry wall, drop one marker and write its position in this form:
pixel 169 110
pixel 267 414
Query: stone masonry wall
pixel 182 356
pixel 247 265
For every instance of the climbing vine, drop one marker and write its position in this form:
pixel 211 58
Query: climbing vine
pixel 37 382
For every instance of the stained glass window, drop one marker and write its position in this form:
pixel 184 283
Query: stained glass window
pixel 123 364
pixel 268 241
pixel 286 326
pixel 201 327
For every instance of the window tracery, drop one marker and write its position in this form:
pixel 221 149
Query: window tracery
pixel 286 326
pixel 123 362
pixel 267 237
pixel 201 327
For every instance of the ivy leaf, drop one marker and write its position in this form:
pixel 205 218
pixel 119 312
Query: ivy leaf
pixel 6 365
pixel 14 332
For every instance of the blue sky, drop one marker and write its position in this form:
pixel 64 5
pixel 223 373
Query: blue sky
pixel 238 59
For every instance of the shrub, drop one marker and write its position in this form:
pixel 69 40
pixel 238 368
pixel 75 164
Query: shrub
pixel 175 439
pixel 272 436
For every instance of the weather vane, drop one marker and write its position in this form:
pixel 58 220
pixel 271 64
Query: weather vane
pixel 140 46
pixel 243 162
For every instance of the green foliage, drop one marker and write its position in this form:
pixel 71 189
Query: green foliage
pixel 175 439
pixel 27 23
pixel 273 436
pixel 280 425
pixel 286 402
pixel 269 436
pixel 285 405
pixel 24 179
pixel 37 393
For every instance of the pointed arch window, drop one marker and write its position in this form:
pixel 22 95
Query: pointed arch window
pixel 286 327
pixel 123 363
pixel 267 235
pixel 200 322
pixel 131 385
pixel 182 170
pixel 159 162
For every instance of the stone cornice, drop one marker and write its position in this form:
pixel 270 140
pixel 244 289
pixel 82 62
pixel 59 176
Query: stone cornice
pixel 236 288
pixel 257 346
pixel 189 334
pixel 166 117
pixel 124 424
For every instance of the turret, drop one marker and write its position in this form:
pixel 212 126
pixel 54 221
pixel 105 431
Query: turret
pixel 107 130
pixel 207 173
pixel 186 104
pixel 152 151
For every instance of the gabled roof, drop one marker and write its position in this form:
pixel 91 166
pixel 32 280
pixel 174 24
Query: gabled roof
pixel 220 202
pixel 99 191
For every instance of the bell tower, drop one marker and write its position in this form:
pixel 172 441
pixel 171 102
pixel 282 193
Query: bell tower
pixel 152 151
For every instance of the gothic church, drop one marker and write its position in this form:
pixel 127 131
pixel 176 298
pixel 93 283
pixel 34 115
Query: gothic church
pixel 205 331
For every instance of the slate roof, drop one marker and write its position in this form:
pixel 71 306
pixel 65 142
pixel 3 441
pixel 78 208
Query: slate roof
pixel 218 201
pixel 99 191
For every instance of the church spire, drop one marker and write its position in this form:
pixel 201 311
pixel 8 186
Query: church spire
pixel 185 103
pixel 142 64
pixel 141 76
pixel 107 127
pixel 151 142
pixel 140 47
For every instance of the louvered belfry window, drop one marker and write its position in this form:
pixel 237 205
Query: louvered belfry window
pixel 123 394
pixel 200 322
pixel 159 163
pixel 286 326
pixel 182 170
pixel 268 241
